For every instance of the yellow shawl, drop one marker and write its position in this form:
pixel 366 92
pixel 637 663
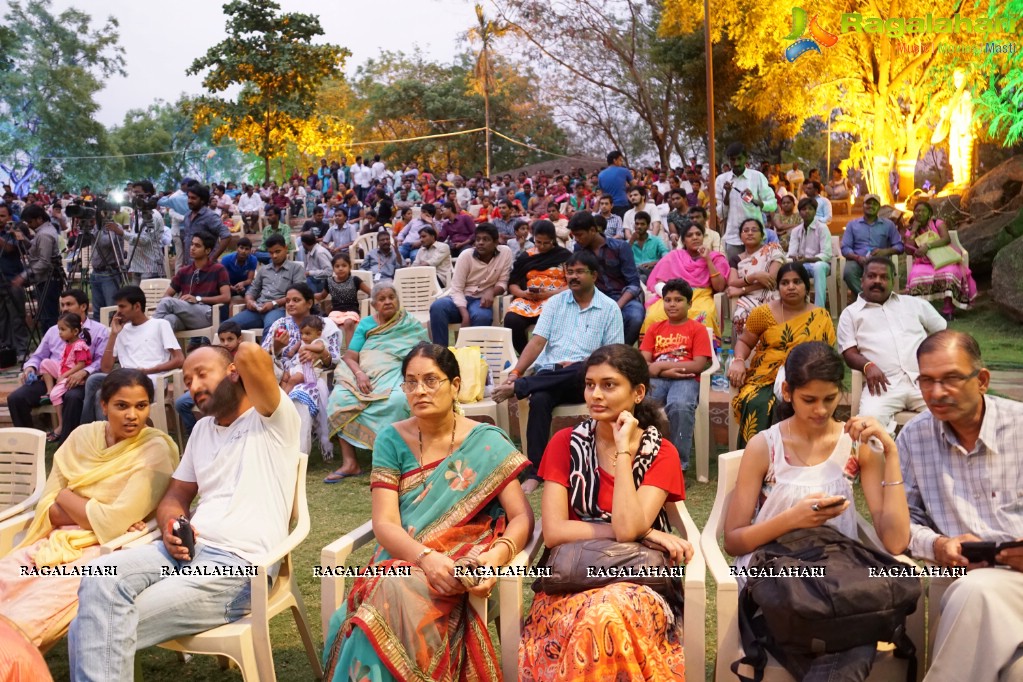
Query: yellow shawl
pixel 123 484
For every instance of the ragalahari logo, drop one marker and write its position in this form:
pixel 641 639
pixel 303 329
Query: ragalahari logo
pixel 802 45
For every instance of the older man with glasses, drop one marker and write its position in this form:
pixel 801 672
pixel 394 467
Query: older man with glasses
pixel 962 465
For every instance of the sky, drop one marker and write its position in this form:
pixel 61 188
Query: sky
pixel 161 38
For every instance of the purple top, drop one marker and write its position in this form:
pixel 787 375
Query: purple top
pixel 52 346
pixel 458 229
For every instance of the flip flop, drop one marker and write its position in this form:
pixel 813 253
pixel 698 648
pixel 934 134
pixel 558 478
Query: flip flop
pixel 52 437
pixel 336 477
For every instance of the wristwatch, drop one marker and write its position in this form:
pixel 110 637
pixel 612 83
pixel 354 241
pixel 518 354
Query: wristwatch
pixel 198 299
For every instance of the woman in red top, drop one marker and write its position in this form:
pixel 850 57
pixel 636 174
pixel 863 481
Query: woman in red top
pixel 609 477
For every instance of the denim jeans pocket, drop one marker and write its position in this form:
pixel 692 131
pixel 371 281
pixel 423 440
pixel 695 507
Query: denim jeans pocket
pixel 240 605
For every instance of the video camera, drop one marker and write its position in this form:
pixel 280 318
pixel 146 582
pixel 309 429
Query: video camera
pixel 84 210
pixel 145 202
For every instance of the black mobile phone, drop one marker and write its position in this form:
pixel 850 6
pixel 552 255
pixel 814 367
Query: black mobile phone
pixel 837 501
pixel 976 552
pixel 182 529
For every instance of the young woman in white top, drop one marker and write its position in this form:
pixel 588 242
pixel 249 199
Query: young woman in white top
pixel 799 474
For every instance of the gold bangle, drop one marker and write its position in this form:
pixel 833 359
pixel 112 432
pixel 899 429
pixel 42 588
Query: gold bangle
pixel 614 457
pixel 510 544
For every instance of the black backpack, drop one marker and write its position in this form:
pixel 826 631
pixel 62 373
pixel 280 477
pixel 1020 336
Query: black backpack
pixel 844 608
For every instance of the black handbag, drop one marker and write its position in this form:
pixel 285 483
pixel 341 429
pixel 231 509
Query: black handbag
pixel 589 564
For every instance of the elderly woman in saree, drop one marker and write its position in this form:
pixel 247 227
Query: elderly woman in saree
pixel 445 494
pixel 366 396
pixel 284 342
pixel 107 479
pixel 706 271
pixel 752 280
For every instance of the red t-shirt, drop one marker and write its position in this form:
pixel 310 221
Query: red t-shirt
pixel 670 342
pixel 665 472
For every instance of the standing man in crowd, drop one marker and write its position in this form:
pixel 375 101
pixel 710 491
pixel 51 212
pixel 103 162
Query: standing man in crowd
pixel 962 463
pixel 362 178
pixel 865 238
pixel 264 301
pixel 14 240
pixel 618 279
pixel 135 342
pixel 571 326
pixel 613 182
pixel 878 334
pixel 177 208
pixel 201 218
pixel 479 279
pixel 741 193
pixel 147 237
pixel 241 462
pixel 44 268
pixel 28 395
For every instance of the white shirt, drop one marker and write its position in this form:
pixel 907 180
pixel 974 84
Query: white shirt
pixel 361 175
pixel 738 210
pixel 378 170
pixel 146 345
pixel 824 211
pixel 438 256
pixel 246 473
pixel 889 334
pixel 247 204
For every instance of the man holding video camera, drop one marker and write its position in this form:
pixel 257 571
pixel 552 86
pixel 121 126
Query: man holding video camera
pixel 148 234
pixel 44 269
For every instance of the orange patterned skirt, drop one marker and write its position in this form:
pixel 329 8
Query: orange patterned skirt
pixel 618 632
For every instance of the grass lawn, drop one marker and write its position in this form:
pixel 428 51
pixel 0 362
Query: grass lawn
pixel 337 509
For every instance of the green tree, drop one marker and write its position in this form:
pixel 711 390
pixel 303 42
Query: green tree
pixel 1000 106
pixel 486 32
pixel 272 57
pixel 52 66
pixel 398 96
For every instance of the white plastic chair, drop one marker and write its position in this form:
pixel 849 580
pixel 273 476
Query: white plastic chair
pixel 367 277
pixel 856 392
pixel 362 245
pixel 495 344
pixel 474 210
pixel 174 382
pixel 209 332
pixel 417 289
pixel 886 666
pixel 332 591
pixel 22 475
pixel 246 641
pixel 154 290
pixel 701 435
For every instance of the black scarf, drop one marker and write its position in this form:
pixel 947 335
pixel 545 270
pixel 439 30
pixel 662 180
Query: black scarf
pixel 525 264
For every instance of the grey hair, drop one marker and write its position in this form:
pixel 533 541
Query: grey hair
pixel 381 286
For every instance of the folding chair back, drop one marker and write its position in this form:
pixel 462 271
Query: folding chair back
pixel 22 470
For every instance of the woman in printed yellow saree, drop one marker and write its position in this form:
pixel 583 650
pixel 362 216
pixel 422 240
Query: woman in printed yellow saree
pixel 444 491
pixel 106 479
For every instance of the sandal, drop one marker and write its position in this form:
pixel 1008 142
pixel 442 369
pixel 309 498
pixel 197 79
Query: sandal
pixel 52 437
pixel 337 476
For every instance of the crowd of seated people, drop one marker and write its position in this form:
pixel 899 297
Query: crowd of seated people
pixel 615 320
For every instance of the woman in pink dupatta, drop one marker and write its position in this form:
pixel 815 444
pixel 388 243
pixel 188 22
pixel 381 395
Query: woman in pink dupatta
pixel 706 272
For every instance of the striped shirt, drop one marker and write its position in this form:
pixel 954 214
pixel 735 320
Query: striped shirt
pixel 951 491
pixel 572 332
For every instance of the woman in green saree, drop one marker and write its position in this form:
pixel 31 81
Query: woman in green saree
pixel 366 398
pixel 445 491
pixel 772 330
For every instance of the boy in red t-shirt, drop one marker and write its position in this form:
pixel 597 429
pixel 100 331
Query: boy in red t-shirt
pixel 677 349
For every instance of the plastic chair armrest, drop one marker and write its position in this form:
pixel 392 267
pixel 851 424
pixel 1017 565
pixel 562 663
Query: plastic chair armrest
pixel 11 527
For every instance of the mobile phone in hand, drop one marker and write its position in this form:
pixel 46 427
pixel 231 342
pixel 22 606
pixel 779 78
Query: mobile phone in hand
pixel 834 502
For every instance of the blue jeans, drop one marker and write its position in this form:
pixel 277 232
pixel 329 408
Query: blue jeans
pixel 632 319
pixel 407 252
pixel 91 408
pixel 443 312
pixel 103 286
pixel 183 406
pixel 263 257
pixel 247 319
pixel 317 284
pixel 139 608
pixel 818 271
pixel 680 398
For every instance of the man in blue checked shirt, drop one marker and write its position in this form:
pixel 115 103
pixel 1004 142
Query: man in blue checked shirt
pixel 572 325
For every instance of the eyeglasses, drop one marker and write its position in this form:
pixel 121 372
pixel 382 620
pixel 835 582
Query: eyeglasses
pixel 429 383
pixel 577 273
pixel 952 382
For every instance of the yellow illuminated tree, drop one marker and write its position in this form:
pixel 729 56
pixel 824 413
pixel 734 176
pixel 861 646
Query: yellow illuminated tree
pixel 889 88
pixel 272 56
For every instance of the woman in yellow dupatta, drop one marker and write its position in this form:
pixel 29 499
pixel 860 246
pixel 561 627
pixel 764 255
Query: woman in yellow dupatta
pixel 445 494
pixel 106 479
pixel 772 330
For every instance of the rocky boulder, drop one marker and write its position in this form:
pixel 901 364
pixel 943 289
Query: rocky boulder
pixel 1007 278
pixel 991 214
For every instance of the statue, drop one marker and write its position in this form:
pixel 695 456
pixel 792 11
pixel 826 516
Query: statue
pixel 957 123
